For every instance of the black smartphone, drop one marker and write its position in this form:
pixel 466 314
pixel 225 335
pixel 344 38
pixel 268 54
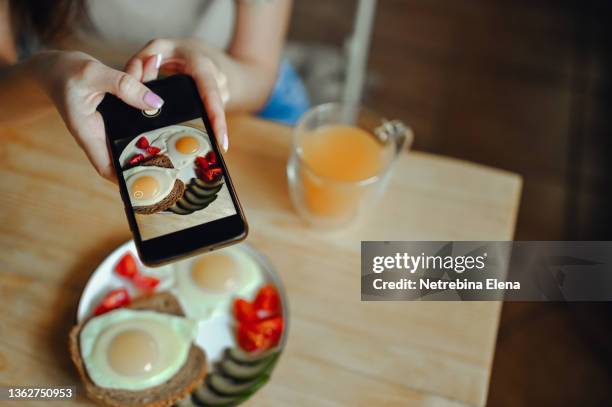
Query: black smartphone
pixel 176 189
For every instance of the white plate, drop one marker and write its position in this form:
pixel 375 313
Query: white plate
pixel 214 334
pixel 152 136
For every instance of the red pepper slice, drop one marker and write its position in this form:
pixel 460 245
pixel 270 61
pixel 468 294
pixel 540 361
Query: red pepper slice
pixel 115 299
pixel 145 283
pixel 267 302
pixel 127 266
pixel 244 311
pixel 152 150
pixel 142 143
pixel 136 159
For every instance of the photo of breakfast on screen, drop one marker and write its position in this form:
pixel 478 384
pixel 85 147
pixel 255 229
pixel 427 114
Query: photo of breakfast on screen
pixel 174 179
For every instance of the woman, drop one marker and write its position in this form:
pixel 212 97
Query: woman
pixel 69 53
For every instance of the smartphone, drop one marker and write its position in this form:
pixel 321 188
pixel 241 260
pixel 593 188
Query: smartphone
pixel 176 189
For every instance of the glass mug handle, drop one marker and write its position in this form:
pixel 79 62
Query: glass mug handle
pixel 395 130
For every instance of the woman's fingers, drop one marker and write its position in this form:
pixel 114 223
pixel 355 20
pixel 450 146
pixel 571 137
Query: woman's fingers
pixel 134 68
pixel 182 57
pixel 163 47
pixel 151 67
pixel 127 88
pixel 162 50
pixel 91 137
pixel 202 69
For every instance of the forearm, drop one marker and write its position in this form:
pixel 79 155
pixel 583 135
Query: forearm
pixel 249 87
pixel 21 93
pixel 249 83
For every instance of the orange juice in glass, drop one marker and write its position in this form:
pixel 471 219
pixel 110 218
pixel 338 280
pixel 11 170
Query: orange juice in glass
pixel 340 161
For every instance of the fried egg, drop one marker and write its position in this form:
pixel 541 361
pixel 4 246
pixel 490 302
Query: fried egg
pixel 206 285
pixel 183 146
pixel 134 350
pixel 149 185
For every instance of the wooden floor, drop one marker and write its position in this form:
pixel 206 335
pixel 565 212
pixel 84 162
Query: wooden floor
pixel 521 85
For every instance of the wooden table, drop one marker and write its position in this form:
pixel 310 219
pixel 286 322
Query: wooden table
pixel 58 220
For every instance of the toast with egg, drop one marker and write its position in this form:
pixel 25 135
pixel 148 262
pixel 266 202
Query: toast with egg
pixel 177 192
pixel 190 375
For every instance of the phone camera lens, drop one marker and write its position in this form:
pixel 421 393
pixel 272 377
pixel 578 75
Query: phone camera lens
pixel 151 112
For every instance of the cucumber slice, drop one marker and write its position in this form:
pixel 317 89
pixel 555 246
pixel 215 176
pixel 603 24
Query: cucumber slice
pixel 206 185
pixel 203 396
pixel 224 386
pixel 197 200
pixel 245 358
pixel 204 192
pixel 240 372
pixel 185 204
pixel 179 211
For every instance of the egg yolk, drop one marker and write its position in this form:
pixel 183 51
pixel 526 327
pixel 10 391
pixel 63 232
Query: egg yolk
pixel 132 353
pixel 145 187
pixel 216 272
pixel 187 145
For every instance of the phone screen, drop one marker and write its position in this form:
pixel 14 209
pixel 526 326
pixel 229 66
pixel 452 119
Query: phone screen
pixel 174 179
pixel 179 197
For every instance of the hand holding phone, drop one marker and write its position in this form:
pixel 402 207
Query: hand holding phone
pixel 177 192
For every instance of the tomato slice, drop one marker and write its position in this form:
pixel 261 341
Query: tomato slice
pixel 246 338
pixel 259 336
pixel 202 162
pixel 152 150
pixel 260 324
pixel 271 328
pixel 244 311
pixel 114 299
pixel 136 159
pixel 211 174
pixel 144 282
pixel 267 303
pixel 250 340
pixel 127 266
pixel 142 143
pixel 211 157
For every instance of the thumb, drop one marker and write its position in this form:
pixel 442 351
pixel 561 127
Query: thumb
pixel 128 89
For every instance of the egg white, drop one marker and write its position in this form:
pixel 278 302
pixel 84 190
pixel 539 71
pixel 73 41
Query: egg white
pixel 173 336
pixel 167 143
pixel 165 176
pixel 200 303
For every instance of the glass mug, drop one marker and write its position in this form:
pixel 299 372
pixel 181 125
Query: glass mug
pixel 341 160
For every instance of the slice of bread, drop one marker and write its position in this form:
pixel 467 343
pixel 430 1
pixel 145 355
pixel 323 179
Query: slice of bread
pixel 177 192
pixel 179 386
pixel 158 161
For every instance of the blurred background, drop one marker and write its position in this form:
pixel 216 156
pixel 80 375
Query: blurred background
pixel 522 85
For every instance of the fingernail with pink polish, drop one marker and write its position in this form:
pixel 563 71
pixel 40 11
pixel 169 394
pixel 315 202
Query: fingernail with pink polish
pixel 153 100
pixel 225 141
